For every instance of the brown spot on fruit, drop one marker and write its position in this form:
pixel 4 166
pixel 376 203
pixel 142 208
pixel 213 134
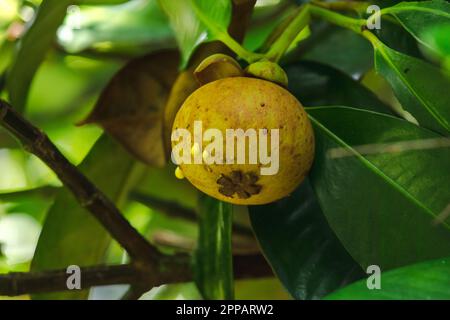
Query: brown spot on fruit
pixel 244 185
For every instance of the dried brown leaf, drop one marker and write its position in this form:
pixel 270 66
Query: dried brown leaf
pixel 131 107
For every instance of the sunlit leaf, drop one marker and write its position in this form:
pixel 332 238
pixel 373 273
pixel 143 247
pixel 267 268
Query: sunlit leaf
pixel 418 16
pixel 33 48
pixel 437 38
pixel 35 44
pixel 424 281
pixel 137 28
pixel 190 28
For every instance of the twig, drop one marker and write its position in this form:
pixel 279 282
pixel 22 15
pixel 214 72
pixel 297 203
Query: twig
pixel 87 194
pixel 172 269
pixel 15 284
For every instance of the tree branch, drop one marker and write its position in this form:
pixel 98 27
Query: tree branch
pixel 173 269
pixel 15 284
pixel 87 194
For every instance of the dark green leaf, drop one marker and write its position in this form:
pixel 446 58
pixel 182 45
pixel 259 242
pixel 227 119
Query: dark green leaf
pixel 70 234
pixel 213 265
pixel 339 48
pixel 302 249
pixel 381 183
pixel 396 37
pixel 190 29
pixel 423 281
pixel 316 84
pixel 419 86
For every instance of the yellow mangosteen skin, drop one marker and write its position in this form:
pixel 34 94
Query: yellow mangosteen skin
pixel 249 103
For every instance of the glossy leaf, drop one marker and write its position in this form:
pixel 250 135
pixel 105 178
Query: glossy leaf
pixel 379 181
pixel 213 258
pixel 418 16
pixel 300 246
pixel 419 86
pixel 424 281
pixel 190 29
pixel 71 235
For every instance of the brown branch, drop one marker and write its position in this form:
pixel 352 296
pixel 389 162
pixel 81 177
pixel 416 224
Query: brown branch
pixel 87 194
pixel 15 284
pixel 172 269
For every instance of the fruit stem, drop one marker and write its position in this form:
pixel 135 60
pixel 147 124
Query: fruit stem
pixel 301 20
pixel 282 44
pixel 358 7
pixel 240 51
pixel 356 25
pixel 223 36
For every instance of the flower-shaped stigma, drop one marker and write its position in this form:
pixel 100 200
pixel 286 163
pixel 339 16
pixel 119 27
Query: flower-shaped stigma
pixel 243 184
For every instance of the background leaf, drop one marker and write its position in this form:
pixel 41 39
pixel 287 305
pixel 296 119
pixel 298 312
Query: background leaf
pixel 109 167
pixel 33 47
pixel 35 44
pixel 340 48
pixel 189 30
pixel 424 281
pixel 300 246
pixel 375 186
pixel 138 27
pixel 437 38
pixel 213 264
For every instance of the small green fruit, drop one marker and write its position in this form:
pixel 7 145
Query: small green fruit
pixel 269 71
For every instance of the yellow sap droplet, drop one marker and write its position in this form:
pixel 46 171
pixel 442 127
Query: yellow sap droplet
pixel 195 149
pixel 179 173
